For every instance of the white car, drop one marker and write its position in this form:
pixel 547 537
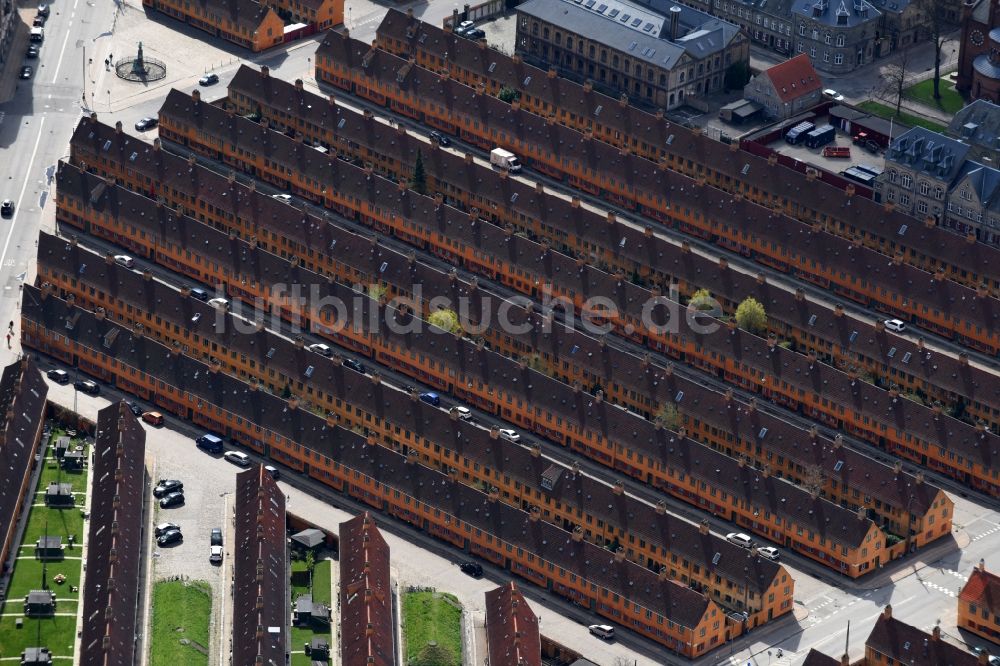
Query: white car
pixel 769 552
pixel 509 435
pixel 237 458
pixel 219 303
pixel 215 555
pixel 604 631
pixel 320 348
pixel 830 93
pixel 739 539
pixel 464 413
pixel 895 324
pixel 124 260
pixel 287 198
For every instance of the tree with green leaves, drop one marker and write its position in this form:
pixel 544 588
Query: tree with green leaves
pixel 508 94
pixel 750 315
pixel 669 416
pixel 446 320
pixel 701 300
pixel 419 180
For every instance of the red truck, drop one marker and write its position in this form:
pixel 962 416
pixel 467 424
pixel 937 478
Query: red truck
pixel 837 151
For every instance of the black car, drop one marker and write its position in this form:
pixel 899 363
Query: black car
pixel 473 569
pixel 475 33
pixel 163 528
pixel 216 536
pixel 136 408
pixel 169 537
pixel 26 72
pixel 39 21
pixel 144 124
pixel 87 386
pixel 166 486
pixel 7 208
pixel 354 365
pixel 32 52
pixel 440 138
pixel 43 10
pixel 208 79
pixel 58 376
pixel 173 499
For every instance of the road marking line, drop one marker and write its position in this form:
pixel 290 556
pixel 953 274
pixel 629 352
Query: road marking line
pixel 62 52
pixel 20 197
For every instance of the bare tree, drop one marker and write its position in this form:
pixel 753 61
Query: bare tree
pixel 937 23
pixel 894 79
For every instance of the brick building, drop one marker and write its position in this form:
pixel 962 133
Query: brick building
pixel 246 23
pixel 512 636
pixel 367 633
pixel 786 89
pixel 892 641
pixel 979 604
pixel 979 50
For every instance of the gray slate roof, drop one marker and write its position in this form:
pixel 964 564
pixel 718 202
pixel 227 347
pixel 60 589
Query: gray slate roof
pixel 978 124
pixel 701 35
pixel 929 153
pixel 832 11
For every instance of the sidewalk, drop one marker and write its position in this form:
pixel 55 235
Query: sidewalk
pixel 15 57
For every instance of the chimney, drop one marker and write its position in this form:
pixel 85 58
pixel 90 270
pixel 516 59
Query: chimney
pixel 887 612
pixel 675 20
pixel 982 564
pixel 936 634
pixel 265 71
pixel 195 96
pixel 118 127
pixel 703 527
pixel 298 84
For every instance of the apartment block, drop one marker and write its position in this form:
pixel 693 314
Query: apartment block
pixel 317 14
pixel 892 641
pixel 978 124
pixel 367 626
pixel 512 636
pixel 246 23
pixel 561 102
pixel 841 35
pixel 261 602
pixel 979 604
pixel 115 540
pixel 660 59
pixel 22 419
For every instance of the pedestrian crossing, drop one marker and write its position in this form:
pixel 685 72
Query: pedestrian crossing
pixel 986 533
pixel 940 588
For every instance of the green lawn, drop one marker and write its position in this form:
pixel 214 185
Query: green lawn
pixel 951 101
pixel 887 112
pixel 320 593
pixel 181 611
pixel 55 633
pixel 429 616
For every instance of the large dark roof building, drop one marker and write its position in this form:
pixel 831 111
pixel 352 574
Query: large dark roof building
pixel 366 624
pixel 22 417
pixel 260 572
pixel 511 629
pixel 895 642
pixel 114 546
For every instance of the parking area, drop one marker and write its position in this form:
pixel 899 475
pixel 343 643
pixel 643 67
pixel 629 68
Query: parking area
pixel 814 156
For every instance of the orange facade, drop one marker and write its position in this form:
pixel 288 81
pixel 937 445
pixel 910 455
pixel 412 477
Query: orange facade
pixel 242 22
pixel 979 604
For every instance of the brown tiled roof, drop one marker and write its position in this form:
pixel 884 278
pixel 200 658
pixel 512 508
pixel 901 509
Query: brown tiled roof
pixel 905 644
pixel 22 417
pixel 817 658
pixel 321 119
pixel 366 623
pixel 260 568
pixel 561 93
pixel 549 395
pixel 672 600
pixel 982 589
pixel 640 518
pixel 115 542
pixel 551 267
pixel 512 635
pixel 876 479
pixel 793 78
pixel 247 14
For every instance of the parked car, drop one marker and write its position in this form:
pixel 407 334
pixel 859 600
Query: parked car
pixel 87 386
pixel 739 539
pixel 474 569
pixel 58 376
pixel 43 10
pixel 199 293
pixel 146 123
pixel 210 443
pixel 208 80
pixel 769 552
pixel 215 554
pixel 167 486
pixel 26 72
pixel 830 93
pixel 895 325
pixel 153 418
pixel 476 33
pixel 237 458
pixel 38 21
pixel 163 528
pixel 172 499
pixel 509 435
pixel 605 631
pixel 440 138
pixel 134 408
pixel 431 398
pixel 464 413
pixel 354 365
pixel 320 348
pixel 465 25
pixel 287 198
pixel 222 303
pixel 32 52
pixel 169 537
pixel 216 537
pixel 273 471
pixel 125 260
pixel 7 208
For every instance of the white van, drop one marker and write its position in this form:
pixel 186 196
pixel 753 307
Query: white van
pixel 739 539
pixel 602 631
pixel 238 458
pixel 37 34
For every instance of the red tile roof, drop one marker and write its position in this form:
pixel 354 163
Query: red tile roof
pixel 983 589
pixel 511 628
pixel 794 78
pixel 365 595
